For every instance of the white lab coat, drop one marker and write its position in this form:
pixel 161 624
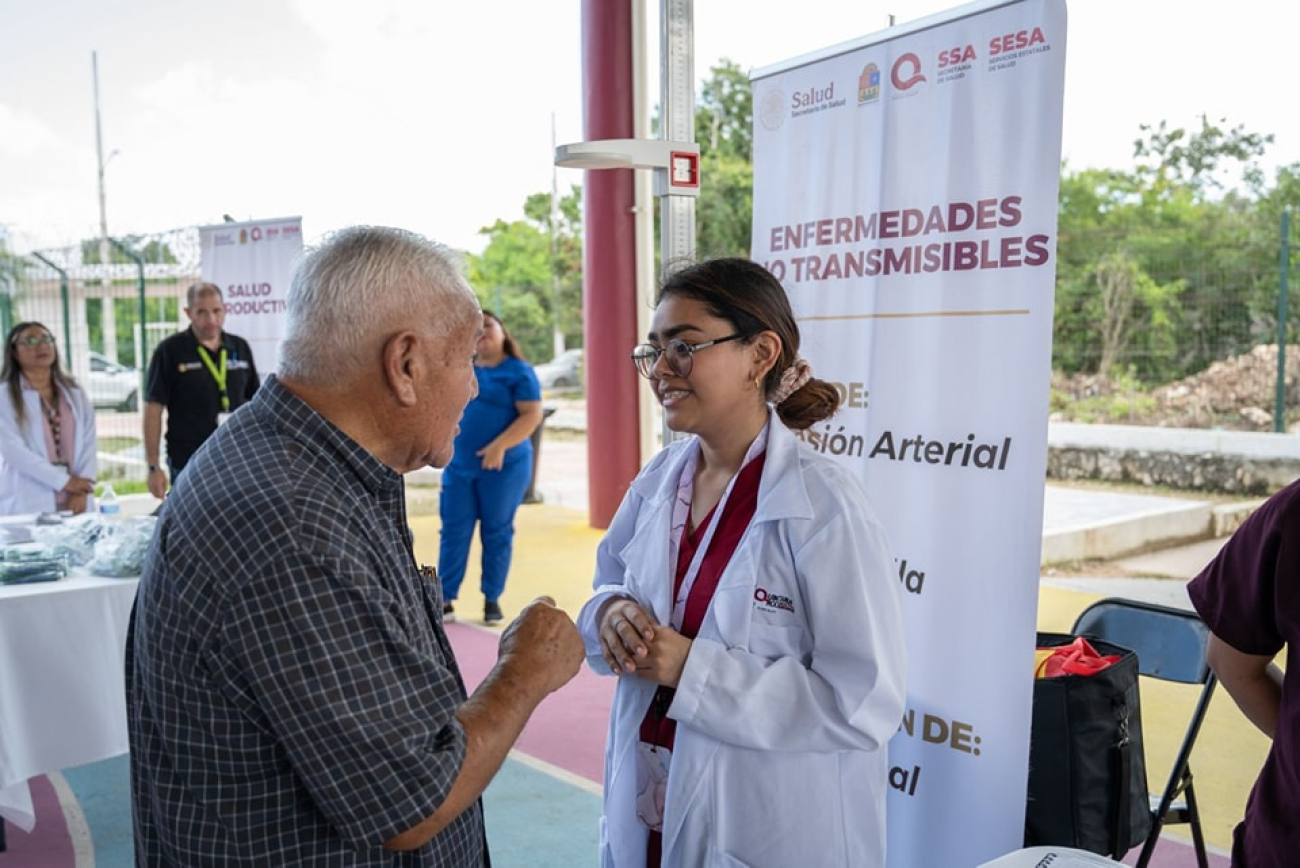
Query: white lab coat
pixel 28 480
pixel 784 708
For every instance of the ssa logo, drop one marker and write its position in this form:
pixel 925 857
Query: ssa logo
pixel 869 84
pixel 956 56
pixel 906 73
pixel 955 62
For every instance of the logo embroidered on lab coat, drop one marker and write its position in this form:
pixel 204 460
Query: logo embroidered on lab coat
pixel 765 601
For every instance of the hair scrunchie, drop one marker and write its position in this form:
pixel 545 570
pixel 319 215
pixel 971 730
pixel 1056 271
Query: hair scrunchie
pixel 791 381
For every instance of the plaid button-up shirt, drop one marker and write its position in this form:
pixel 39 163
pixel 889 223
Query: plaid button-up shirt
pixel 291 693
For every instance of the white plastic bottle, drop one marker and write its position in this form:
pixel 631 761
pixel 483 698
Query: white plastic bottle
pixel 109 507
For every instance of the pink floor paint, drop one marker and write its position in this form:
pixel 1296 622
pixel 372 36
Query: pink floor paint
pixel 1176 854
pixel 49 844
pixel 568 728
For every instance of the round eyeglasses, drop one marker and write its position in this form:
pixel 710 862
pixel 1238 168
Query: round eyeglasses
pixel 35 340
pixel 680 355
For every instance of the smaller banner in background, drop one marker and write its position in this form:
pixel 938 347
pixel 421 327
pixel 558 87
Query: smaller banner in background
pixel 253 263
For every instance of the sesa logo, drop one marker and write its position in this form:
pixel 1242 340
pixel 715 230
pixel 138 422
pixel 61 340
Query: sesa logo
pixel 1017 41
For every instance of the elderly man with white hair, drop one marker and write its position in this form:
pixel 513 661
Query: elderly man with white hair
pixel 292 696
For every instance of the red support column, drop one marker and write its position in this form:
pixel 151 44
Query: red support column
pixel 609 262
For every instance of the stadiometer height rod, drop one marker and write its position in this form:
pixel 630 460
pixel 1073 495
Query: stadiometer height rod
pixel 677 92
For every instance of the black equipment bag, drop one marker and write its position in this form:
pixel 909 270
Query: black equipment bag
pixel 1087 772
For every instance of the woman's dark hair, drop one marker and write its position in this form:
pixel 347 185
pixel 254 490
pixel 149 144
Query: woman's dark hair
pixel 11 373
pixel 508 345
pixel 745 294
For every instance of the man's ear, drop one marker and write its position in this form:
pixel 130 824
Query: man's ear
pixel 402 366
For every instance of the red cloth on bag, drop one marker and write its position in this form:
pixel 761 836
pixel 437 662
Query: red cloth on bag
pixel 1077 658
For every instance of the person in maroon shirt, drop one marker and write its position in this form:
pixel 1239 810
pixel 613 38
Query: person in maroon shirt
pixel 1249 596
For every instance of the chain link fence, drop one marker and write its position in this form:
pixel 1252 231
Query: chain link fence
pixel 1189 338
pixel 108 302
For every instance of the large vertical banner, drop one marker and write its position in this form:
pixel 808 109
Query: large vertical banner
pixel 253 263
pixel 905 191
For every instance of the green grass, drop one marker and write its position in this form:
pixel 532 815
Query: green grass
pixel 117 444
pixel 561 434
pixel 123 486
pixel 1122 406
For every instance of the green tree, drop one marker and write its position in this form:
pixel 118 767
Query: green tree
pixel 518 272
pixel 11 274
pixel 126 315
pixel 563 225
pixel 1264 242
pixel 1124 295
pixel 724 118
pixel 1197 161
pixel 724 113
pixel 1185 246
pixel 152 250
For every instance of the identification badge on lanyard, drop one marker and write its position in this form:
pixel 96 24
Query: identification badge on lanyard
pixel 218 372
pixel 652 764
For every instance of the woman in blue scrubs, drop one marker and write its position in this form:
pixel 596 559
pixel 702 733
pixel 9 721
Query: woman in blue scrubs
pixel 487 477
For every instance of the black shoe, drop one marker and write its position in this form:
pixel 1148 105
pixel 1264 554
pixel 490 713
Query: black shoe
pixel 492 613
pixel 448 613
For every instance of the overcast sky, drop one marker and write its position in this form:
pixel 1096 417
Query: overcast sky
pixel 436 116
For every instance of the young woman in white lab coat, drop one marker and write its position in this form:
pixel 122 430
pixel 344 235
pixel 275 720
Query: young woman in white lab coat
pixel 48 446
pixel 745 598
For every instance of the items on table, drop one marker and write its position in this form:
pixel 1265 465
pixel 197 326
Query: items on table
pixel 50 548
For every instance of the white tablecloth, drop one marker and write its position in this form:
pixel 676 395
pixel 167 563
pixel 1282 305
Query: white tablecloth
pixel 62 690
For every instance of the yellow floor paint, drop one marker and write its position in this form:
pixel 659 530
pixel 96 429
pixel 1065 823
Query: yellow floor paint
pixel 555 555
pixel 1229 750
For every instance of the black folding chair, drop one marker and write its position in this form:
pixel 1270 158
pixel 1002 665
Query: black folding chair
pixel 1170 645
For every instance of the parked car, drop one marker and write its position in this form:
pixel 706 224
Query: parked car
pixel 562 372
pixel 112 385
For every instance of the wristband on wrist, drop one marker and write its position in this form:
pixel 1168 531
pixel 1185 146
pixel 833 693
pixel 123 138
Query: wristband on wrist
pixel 154 468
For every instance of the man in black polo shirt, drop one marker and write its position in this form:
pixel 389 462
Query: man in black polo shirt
pixel 200 376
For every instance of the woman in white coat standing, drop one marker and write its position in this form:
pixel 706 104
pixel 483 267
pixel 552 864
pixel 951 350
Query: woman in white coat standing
pixel 745 597
pixel 47 429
